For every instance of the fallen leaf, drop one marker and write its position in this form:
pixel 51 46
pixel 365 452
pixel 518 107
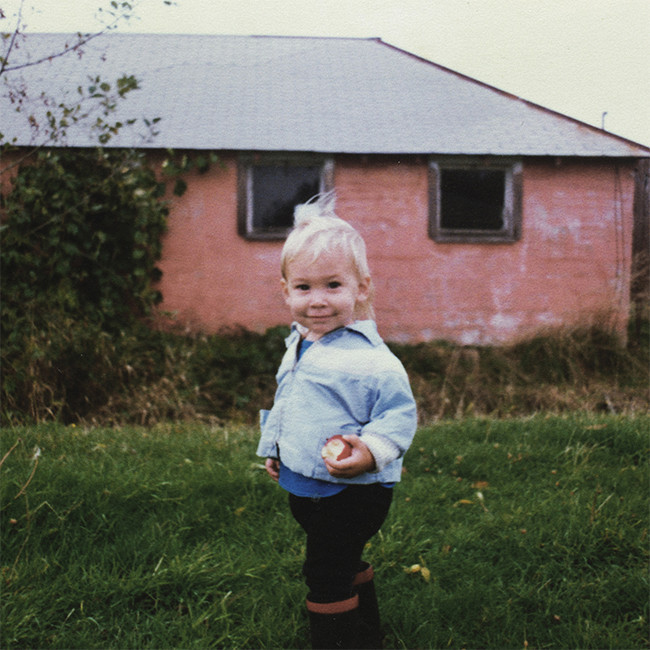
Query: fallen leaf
pixel 481 500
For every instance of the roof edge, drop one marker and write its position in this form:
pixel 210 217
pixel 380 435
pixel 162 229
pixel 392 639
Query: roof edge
pixel 505 93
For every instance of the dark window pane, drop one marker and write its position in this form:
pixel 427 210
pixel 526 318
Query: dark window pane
pixel 278 189
pixel 472 199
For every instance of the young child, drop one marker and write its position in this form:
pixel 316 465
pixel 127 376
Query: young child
pixel 337 377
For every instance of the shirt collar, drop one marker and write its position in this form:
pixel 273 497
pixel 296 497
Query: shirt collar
pixel 367 329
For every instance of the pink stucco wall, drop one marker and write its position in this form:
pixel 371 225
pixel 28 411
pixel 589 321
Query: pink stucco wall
pixel 570 267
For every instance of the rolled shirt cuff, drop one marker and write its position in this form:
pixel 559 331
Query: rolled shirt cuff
pixel 384 451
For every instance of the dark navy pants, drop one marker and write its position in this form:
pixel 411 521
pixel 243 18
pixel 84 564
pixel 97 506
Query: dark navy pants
pixel 338 528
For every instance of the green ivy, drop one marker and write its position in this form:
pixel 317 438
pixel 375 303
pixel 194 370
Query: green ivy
pixel 81 237
pixel 83 233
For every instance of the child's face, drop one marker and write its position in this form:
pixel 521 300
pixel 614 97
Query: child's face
pixel 323 294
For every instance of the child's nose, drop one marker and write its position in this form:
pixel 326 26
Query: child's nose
pixel 317 298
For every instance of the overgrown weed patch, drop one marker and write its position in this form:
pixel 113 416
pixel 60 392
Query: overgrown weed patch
pixel 74 373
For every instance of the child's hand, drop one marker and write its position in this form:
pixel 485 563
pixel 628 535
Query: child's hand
pixel 358 462
pixel 272 466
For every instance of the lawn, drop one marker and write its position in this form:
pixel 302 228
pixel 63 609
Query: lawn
pixel 513 533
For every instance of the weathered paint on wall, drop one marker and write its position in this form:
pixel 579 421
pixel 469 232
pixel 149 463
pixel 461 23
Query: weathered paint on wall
pixel 213 278
pixel 571 266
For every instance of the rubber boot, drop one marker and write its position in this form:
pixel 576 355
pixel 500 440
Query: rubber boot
pixel 370 636
pixel 334 625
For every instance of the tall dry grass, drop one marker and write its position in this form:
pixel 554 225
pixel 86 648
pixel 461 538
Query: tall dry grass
pixel 77 375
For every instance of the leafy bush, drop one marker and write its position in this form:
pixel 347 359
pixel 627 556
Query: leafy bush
pixel 81 237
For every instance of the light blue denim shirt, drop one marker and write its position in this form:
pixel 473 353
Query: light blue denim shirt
pixel 346 382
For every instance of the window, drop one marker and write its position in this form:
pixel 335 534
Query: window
pixel 270 186
pixel 472 200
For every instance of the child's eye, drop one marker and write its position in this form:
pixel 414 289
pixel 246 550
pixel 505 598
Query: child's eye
pixel 335 284
pixel 302 287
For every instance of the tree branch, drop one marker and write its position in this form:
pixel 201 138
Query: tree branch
pixel 83 39
pixel 5 59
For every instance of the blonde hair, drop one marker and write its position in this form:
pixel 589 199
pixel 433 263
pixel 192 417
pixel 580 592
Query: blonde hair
pixel 318 230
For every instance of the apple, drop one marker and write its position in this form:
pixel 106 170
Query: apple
pixel 336 448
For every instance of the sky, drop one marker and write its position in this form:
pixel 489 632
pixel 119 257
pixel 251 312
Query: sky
pixel 589 59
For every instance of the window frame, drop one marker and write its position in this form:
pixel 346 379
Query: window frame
pixel 513 193
pixel 245 203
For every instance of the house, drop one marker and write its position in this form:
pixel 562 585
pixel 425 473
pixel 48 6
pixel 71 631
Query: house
pixel 488 218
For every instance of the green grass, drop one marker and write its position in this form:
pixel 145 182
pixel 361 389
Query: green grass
pixel 173 537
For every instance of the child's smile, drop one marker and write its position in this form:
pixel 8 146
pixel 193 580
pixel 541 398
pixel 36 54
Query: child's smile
pixel 323 294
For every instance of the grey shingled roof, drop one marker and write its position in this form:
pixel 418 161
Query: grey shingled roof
pixel 266 93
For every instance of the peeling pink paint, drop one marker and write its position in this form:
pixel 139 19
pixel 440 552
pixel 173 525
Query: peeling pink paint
pixel 571 266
